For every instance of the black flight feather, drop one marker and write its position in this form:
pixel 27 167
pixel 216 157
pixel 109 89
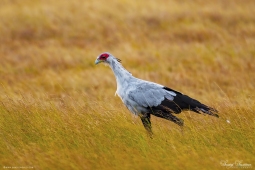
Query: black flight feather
pixel 177 105
pixel 184 102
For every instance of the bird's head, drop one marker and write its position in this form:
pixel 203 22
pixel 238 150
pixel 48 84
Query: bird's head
pixel 105 58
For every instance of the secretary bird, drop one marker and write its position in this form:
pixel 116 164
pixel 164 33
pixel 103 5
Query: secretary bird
pixel 144 98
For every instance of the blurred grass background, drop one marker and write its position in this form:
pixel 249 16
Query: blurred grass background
pixel 58 110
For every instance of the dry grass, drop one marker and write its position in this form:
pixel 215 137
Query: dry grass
pixel 58 110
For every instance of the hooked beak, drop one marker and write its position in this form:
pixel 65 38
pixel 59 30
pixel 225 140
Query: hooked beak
pixel 98 61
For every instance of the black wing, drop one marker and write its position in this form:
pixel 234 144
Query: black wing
pixel 183 102
pixel 177 105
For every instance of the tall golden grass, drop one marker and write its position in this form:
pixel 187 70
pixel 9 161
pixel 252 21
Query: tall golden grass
pixel 58 110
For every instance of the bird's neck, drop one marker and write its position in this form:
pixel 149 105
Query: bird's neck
pixel 121 74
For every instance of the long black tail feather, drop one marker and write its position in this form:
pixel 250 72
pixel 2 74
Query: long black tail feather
pixel 183 102
pixel 196 106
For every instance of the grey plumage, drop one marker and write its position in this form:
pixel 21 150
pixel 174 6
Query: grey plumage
pixel 144 98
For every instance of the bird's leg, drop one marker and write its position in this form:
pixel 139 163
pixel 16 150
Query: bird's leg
pixel 146 123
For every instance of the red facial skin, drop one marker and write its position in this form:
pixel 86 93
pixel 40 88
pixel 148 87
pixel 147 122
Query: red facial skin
pixel 103 56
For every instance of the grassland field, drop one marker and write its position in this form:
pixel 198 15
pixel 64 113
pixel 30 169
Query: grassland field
pixel 58 110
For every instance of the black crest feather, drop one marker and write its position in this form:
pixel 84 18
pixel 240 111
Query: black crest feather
pixel 119 60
